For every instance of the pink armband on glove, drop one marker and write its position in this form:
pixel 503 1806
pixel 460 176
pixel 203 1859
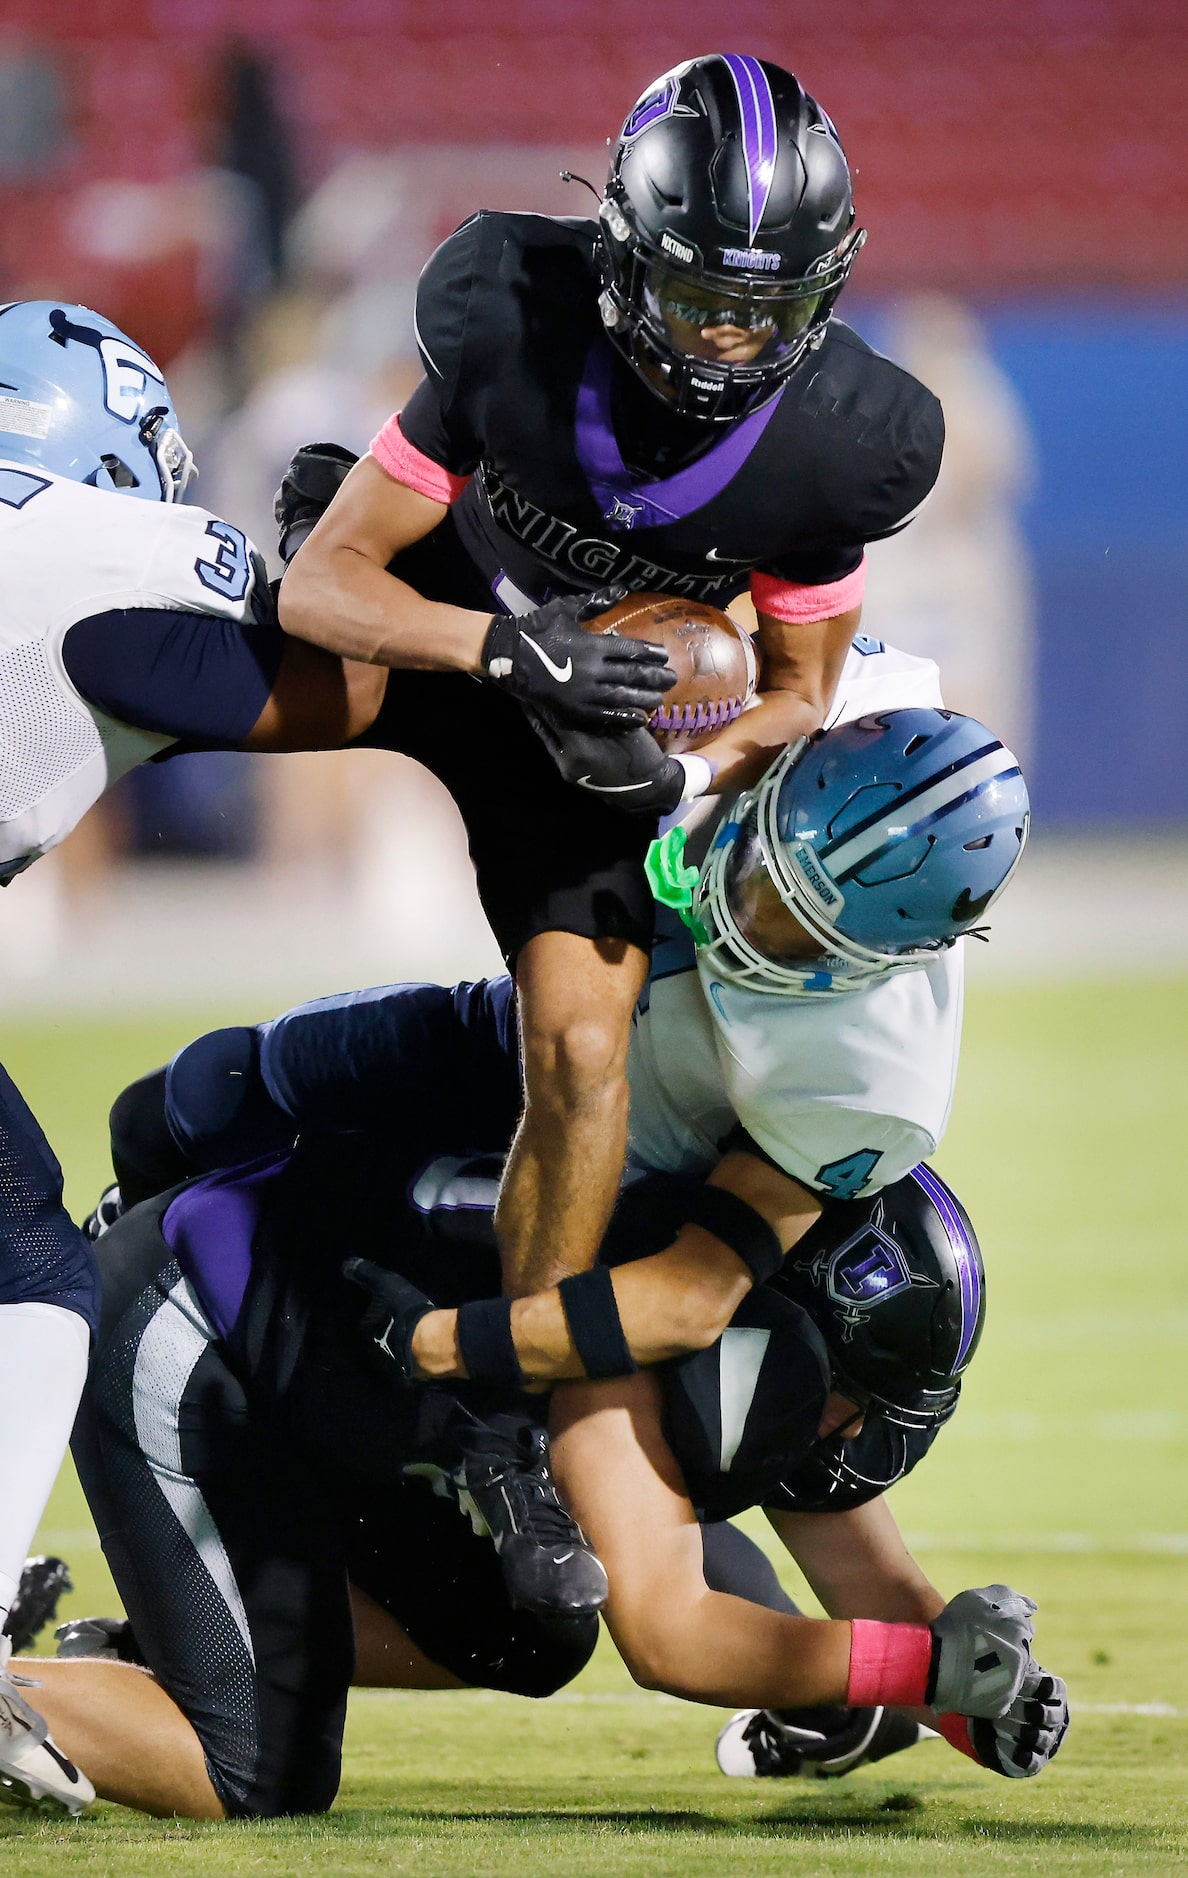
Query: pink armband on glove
pixel 955 1729
pixel 889 1665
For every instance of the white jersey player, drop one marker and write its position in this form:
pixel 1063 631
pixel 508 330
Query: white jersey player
pixel 800 1037
pixel 846 1094
pixel 128 625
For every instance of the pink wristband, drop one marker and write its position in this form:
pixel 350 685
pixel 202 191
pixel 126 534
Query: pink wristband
pixel 889 1665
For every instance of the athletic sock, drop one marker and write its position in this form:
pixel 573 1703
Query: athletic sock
pixel 43 1365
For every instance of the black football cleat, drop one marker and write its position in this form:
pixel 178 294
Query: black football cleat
pixel 813 1743
pixel 548 1567
pixel 35 1605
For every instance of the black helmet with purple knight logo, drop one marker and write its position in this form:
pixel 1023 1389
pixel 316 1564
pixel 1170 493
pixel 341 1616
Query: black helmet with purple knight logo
pixel 727 233
pixel 895 1284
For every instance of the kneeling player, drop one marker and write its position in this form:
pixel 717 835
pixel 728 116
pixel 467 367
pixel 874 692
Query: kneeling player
pixel 244 1468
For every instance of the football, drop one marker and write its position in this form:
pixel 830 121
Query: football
pixel 715 661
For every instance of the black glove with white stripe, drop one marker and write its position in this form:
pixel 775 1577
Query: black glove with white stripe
pixel 602 681
pixel 628 770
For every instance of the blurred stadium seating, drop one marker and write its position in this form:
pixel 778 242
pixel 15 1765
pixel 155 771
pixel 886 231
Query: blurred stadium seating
pixel 999 145
pixel 1027 156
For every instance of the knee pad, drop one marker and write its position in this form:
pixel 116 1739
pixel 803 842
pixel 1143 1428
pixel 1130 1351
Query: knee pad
pixel 217 1107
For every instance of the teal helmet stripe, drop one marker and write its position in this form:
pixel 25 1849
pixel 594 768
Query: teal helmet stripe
pixel 927 800
pixel 937 774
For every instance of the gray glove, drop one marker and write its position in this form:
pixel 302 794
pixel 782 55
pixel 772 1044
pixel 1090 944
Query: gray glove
pixel 981 1652
pixel 630 770
pixel 1022 1742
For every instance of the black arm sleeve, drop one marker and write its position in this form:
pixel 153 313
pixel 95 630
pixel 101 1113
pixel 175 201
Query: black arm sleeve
pixel 188 675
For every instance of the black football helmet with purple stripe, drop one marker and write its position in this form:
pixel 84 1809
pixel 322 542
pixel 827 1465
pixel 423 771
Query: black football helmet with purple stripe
pixel 896 1286
pixel 727 233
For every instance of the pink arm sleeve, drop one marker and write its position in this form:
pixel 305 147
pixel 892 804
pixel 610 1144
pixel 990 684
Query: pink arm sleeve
pixel 786 600
pixel 410 466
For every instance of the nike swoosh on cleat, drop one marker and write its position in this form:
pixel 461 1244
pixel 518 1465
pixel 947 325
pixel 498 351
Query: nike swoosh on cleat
pixel 68 1767
pixel 563 1558
pixel 562 673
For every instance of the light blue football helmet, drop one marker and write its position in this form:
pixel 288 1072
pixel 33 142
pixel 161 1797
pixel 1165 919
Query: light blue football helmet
pixel 887 839
pixel 77 398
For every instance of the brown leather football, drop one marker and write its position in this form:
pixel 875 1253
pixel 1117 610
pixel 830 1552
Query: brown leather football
pixel 715 661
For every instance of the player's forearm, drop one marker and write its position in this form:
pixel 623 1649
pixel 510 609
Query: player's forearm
pixel 726 1651
pixel 746 748
pixel 858 1564
pixel 338 598
pixel 668 1304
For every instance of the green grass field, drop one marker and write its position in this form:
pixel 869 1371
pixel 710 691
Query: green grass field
pixel 1064 1472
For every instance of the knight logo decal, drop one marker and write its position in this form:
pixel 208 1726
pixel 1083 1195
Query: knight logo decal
pixel 863 1273
pixel 623 514
pixel 654 106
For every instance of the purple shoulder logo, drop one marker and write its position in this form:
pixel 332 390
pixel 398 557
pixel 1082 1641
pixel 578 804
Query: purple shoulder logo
pixel 655 105
pixel 863 1273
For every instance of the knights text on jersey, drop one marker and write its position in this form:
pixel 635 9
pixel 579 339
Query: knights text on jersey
pixel 847 1092
pixel 71 552
pixel 579 474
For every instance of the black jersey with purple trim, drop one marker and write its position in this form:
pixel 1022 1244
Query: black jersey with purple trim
pixel 581 476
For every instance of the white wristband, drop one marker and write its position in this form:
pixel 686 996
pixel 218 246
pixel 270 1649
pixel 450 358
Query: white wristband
pixel 699 776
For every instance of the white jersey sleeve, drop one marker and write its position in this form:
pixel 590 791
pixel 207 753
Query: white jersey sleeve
pixel 70 552
pixel 846 1093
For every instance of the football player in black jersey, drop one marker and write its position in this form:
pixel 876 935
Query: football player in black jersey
pixel 246 1470
pixel 658 399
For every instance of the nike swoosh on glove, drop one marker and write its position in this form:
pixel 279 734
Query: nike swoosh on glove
pixel 393 1310
pixel 981 1651
pixel 630 770
pixel 308 487
pixel 1022 1742
pixel 603 681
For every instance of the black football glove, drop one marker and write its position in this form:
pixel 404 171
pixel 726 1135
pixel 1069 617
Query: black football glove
pixel 1022 1742
pixel 629 770
pixel 307 489
pixel 393 1310
pixel 602 681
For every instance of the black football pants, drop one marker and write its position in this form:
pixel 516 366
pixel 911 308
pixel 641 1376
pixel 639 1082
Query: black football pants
pixel 234 1554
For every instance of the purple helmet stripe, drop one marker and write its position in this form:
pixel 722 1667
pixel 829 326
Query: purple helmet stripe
pixel 756 108
pixel 967 1259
